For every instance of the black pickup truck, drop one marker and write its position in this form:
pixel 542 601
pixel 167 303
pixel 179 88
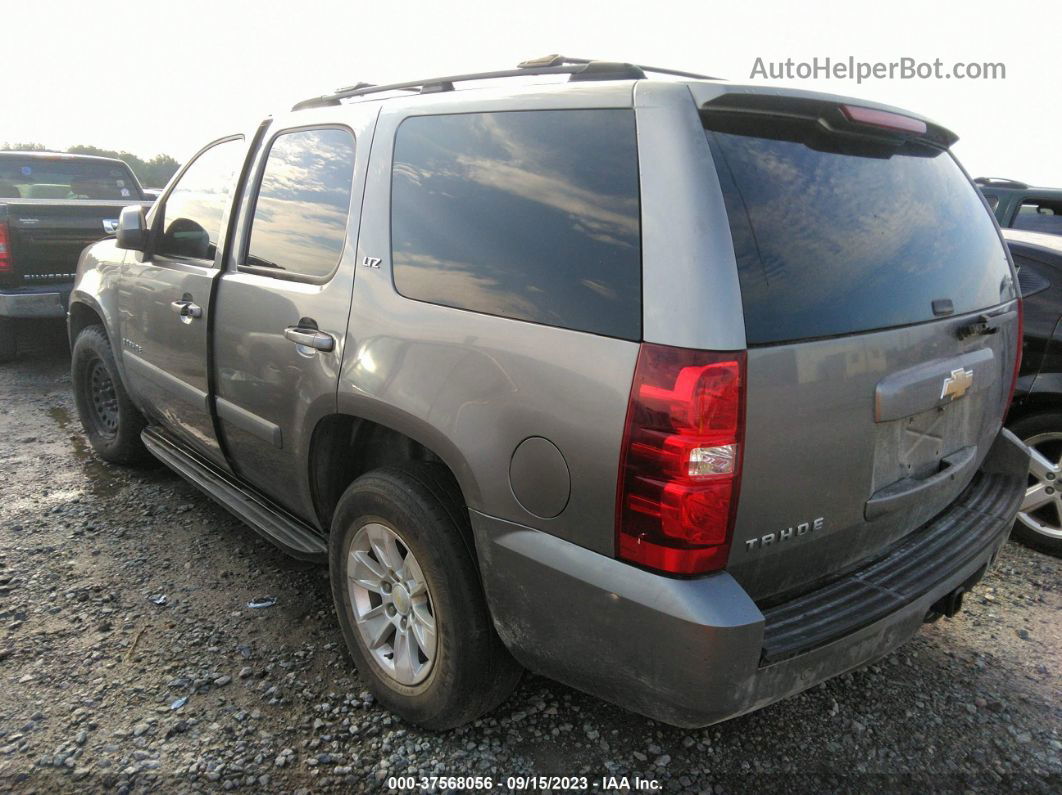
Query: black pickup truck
pixel 51 207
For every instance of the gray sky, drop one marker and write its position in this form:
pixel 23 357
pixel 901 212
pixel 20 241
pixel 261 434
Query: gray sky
pixel 150 76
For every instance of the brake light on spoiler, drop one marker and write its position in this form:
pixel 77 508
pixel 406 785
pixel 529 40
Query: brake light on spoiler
pixel 746 113
pixel 884 118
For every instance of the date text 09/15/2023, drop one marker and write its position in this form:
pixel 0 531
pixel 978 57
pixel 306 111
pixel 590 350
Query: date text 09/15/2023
pixel 528 782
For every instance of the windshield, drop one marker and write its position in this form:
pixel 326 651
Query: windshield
pixel 62 177
pixel 835 237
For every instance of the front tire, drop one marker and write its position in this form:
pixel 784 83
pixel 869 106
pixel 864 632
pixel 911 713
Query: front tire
pixel 111 422
pixel 409 599
pixel 1039 522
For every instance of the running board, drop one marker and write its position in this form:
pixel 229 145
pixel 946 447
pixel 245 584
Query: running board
pixel 292 535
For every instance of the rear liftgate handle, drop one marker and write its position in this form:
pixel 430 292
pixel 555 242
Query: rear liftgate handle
pixel 910 491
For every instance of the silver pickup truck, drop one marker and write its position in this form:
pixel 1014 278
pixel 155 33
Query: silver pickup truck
pixel 684 393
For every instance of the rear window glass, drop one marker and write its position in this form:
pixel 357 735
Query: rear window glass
pixel 850 236
pixel 1040 215
pixel 531 215
pixel 65 178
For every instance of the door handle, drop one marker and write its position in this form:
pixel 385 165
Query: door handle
pixel 187 309
pixel 310 338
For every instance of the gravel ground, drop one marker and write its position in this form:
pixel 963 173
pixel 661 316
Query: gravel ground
pixel 130 662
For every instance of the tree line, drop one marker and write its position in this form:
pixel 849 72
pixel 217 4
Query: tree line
pixel 153 173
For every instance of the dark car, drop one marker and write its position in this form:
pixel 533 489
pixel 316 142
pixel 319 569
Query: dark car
pixel 52 205
pixel 655 387
pixel 1021 206
pixel 1036 414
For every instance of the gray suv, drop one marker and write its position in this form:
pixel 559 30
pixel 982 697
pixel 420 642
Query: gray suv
pixel 686 394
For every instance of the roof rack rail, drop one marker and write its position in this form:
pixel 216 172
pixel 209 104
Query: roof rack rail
pixel 1000 182
pixel 561 60
pixel 577 68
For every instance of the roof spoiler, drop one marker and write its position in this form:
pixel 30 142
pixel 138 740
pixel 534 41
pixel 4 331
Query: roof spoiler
pixel 834 116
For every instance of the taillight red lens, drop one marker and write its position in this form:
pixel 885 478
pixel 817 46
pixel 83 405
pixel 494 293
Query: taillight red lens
pixel 5 248
pixel 681 461
pixel 1017 354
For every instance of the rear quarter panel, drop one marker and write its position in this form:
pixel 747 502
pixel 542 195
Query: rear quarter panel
pixel 472 387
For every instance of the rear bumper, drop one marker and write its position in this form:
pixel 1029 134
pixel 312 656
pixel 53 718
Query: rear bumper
pixel 695 652
pixel 44 301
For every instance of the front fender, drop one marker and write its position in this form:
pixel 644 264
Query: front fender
pixel 96 286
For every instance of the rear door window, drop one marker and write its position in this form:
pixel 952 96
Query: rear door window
pixel 836 238
pixel 300 213
pixel 1040 215
pixel 531 215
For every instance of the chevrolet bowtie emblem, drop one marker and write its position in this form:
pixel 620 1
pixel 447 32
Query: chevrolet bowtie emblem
pixel 956 384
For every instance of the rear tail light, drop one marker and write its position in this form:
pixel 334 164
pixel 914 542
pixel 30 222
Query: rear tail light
pixel 883 118
pixel 5 248
pixel 681 461
pixel 1017 353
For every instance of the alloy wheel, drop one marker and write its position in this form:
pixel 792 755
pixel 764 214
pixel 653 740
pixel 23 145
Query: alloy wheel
pixel 392 604
pixel 1041 510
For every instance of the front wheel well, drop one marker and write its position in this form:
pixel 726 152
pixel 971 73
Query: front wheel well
pixel 81 317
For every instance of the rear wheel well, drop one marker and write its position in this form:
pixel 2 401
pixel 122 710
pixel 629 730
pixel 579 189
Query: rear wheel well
pixel 1033 403
pixel 344 448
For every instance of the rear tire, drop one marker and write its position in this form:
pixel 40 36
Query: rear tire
pixel 111 422
pixel 8 339
pixel 1039 524
pixel 402 562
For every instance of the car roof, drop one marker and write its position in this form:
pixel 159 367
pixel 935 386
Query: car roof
pixel 1052 243
pixel 7 153
pixel 1000 186
pixel 582 76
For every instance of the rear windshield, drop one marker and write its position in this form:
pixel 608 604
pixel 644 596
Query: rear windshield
pixel 838 237
pixel 65 178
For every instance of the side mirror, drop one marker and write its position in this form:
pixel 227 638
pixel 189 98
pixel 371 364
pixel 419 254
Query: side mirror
pixel 132 229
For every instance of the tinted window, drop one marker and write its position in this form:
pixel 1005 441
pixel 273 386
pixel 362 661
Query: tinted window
pixel 851 236
pixel 1040 215
pixel 65 177
pixel 531 215
pixel 992 199
pixel 1030 279
pixel 300 217
pixel 191 216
